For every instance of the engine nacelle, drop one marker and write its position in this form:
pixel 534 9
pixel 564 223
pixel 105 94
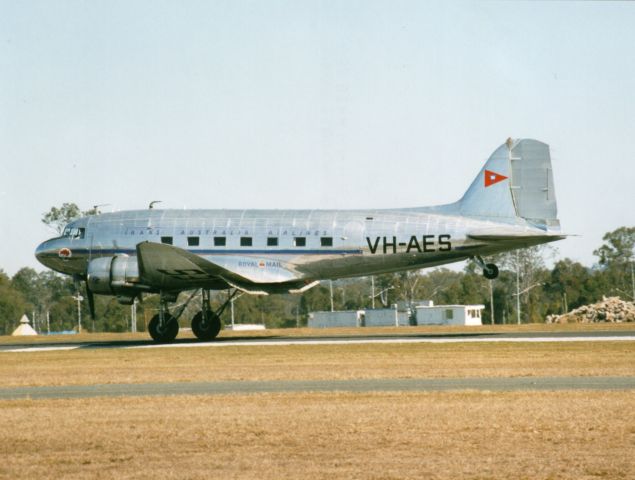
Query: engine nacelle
pixel 118 275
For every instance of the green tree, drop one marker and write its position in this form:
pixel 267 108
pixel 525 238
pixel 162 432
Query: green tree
pixel 570 285
pixel 27 281
pixel 618 248
pixel 315 300
pixel 58 218
pixel 529 263
pixel 12 305
pixel 113 316
pixel 616 259
pixel 63 315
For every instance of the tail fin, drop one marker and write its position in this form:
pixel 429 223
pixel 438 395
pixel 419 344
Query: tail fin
pixel 516 181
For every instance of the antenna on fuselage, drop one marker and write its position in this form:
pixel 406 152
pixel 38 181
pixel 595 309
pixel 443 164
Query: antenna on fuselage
pixel 95 210
pixel 151 206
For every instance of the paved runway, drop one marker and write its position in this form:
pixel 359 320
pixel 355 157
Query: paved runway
pixel 376 385
pixel 626 335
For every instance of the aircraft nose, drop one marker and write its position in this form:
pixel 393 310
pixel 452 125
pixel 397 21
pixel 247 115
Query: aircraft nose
pixel 44 252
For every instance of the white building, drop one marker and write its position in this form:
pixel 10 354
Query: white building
pixel 386 317
pixel 347 318
pixel 449 315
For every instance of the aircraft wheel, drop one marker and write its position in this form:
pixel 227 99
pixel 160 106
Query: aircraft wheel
pixel 206 330
pixel 166 334
pixel 490 271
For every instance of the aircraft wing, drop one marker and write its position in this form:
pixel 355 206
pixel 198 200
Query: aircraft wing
pixel 172 268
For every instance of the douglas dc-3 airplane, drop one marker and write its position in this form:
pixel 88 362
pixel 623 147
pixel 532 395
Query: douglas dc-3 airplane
pixel 511 204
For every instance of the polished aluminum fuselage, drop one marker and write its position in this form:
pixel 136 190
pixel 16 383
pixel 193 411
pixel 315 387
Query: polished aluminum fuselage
pixel 363 241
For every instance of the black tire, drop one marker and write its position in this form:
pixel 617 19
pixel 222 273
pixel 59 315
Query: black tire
pixel 168 333
pixel 206 330
pixel 491 271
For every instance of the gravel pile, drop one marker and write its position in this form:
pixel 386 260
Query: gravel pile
pixel 611 309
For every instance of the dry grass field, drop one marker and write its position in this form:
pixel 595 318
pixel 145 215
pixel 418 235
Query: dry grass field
pixel 477 435
pixel 309 435
pixel 316 362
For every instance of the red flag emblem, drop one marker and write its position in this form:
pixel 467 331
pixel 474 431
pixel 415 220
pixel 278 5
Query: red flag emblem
pixel 492 177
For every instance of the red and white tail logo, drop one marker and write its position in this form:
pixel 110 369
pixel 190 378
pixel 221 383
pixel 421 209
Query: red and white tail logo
pixel 492 177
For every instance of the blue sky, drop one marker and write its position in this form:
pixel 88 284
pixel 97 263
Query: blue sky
pixel 342 104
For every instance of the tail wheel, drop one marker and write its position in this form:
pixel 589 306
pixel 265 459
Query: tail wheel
pixel 206 329
pixel 166 333
pixel 490 271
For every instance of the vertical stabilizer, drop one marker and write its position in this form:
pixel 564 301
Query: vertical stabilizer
pixel 489 196
pixel 516 181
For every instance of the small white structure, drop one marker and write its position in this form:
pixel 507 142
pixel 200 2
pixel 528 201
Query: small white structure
pixel 346 318
pixel 386 317
pixel 422 303
pixel 449 315
pixel 24 328
pixel 243 327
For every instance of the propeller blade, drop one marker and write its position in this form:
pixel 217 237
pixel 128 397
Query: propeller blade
pixel 91 301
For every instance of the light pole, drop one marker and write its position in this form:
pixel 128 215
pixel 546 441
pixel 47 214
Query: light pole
pixel 518 294
pixel 381 293
pixel 231 304
pixel 79 299
pixel 331 290
pixel 372 290
pixel 517 287
pixel 491 301
pixel 133 317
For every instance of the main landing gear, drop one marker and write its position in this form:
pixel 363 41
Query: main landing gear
pixel 206 324
pixel 490 271
pixel 163 327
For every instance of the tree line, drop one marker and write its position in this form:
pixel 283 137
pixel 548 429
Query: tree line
pixel 50 299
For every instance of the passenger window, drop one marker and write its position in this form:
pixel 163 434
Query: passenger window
pixel 326 241
pixel 272 241
pixel 299 242
pixel 192 241
pixel 81 232
pixel 245 241
pixel 219 241
pixel 166 240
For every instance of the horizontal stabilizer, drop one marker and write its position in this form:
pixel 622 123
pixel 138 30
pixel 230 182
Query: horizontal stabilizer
pixel 509 237
pixel 493 238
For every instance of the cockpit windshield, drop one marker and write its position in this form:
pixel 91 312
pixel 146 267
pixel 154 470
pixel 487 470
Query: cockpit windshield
pixel 74 232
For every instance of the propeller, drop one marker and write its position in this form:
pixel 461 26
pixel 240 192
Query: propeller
pixel 89 293
pixel 91 301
